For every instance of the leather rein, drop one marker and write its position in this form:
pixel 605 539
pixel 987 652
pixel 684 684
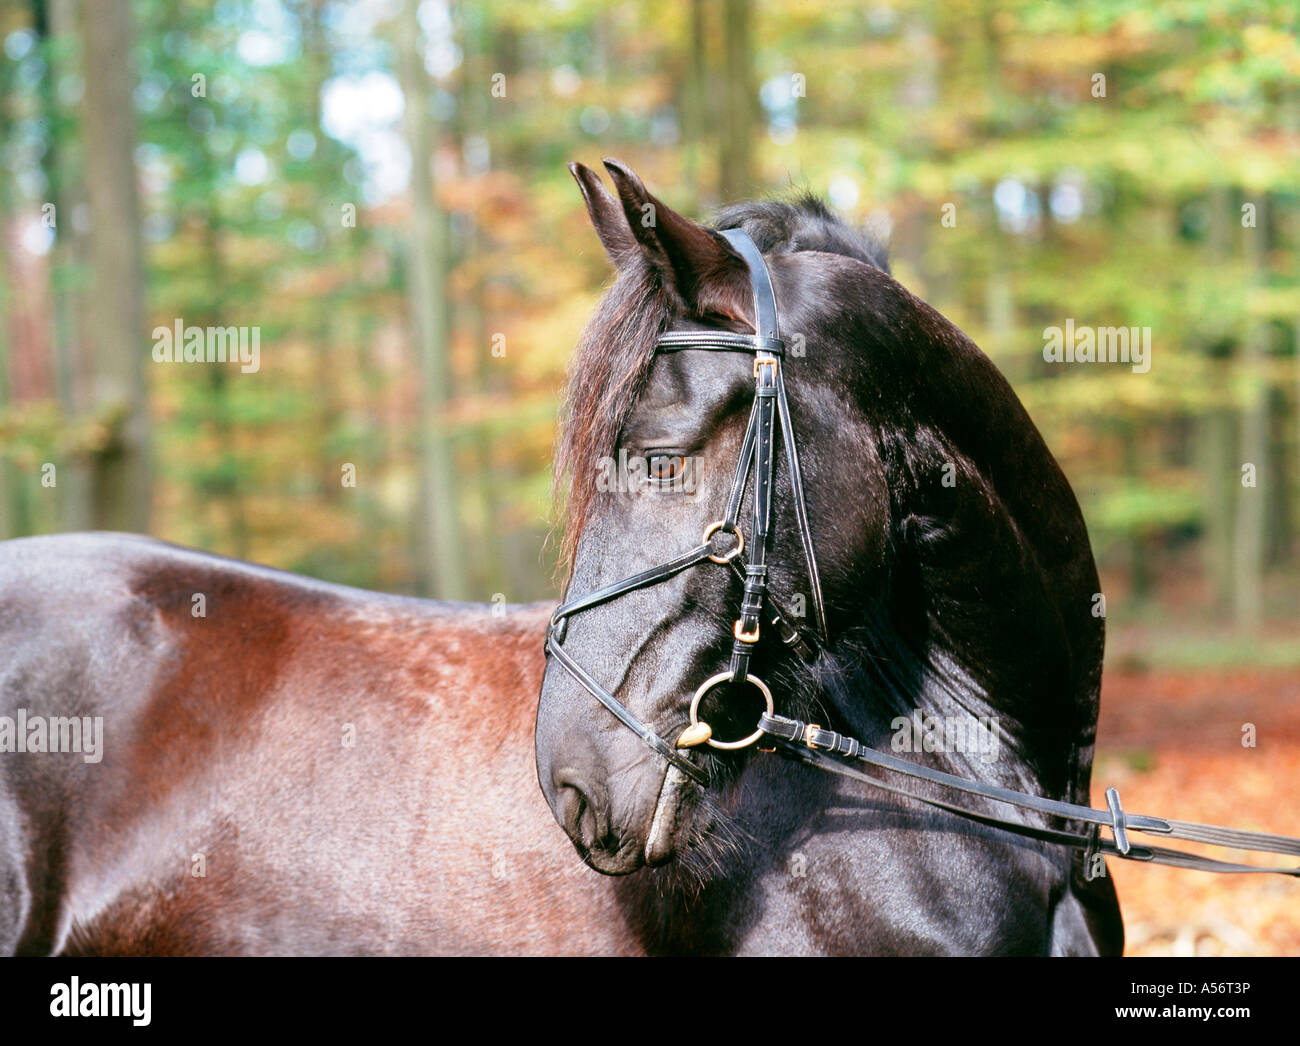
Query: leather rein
pixel 809 743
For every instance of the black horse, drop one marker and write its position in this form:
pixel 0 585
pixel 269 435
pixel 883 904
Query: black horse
pixel 959 589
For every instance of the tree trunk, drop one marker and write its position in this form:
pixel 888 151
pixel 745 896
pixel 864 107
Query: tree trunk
pixel 10 494
pixel 694 111
pixel 490 563
pixel 1141 575
pixel 56 22
pixel 120 473
pixel 1219 461
pixel 1277 492
pixel 440 551
pixel 737 129
pixel 1251 517
pixel 229 487
pixel 329 405
pixel 1221 478
pixel 472 111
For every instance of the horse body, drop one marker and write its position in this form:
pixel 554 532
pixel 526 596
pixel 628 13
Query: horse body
pixel 349 772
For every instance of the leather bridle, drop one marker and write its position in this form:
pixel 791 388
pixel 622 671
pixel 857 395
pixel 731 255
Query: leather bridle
pixel 809 743
pixel 756 463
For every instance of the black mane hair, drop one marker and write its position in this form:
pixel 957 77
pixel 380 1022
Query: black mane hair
pixel 802 223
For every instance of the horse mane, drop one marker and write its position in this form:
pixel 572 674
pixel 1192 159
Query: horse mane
pixel 617 346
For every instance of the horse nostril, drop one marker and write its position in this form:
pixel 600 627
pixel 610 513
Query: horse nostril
pixel 578 810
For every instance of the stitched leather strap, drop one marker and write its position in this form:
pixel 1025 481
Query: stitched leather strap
pixel 760 281
pixel 722 341
pixel 800 509
pixel 624 714
pixel 815 746
pixel 647 577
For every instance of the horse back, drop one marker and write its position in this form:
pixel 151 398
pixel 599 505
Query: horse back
pixel 285 766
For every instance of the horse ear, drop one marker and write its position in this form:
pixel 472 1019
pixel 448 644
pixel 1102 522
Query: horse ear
pixel 606 216
pixel 697 266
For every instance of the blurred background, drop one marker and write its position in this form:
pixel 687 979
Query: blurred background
pixel 377 187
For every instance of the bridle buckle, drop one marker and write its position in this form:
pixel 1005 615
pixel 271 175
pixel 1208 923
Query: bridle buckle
pixel 738 630
pixel 765 361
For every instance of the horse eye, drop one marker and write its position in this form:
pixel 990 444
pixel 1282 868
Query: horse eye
pixel 666 466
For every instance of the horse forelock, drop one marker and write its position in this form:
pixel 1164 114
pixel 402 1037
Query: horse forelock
pixel 608 370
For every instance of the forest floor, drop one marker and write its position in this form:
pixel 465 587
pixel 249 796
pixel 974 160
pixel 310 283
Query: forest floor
pixel 1171 741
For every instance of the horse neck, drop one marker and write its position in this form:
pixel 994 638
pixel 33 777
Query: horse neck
pixel 972 630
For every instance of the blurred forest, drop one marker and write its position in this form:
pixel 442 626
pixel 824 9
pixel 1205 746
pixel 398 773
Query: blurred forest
pixel 378 187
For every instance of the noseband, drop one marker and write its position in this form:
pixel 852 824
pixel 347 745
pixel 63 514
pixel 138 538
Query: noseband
pixel 757 462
